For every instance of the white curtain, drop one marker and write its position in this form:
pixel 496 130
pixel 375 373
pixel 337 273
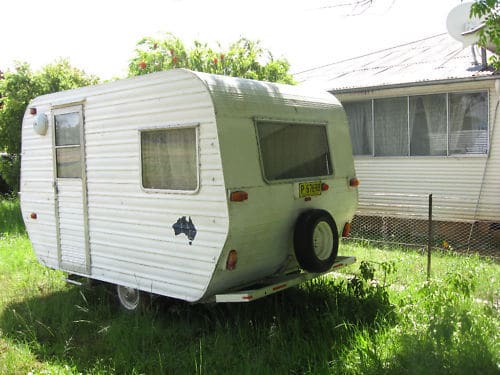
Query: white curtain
pixel 468 132
pixel 291 151
pixel 428 125
pixel 359 115
pixel 169 159
pixel 391 126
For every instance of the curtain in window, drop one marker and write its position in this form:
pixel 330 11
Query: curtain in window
pixel 428 125
pixel 468 123
pixel 291 151
pixel 391 126
pixel 169 159
pixel 359 115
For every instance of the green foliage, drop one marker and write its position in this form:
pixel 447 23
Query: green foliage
pixel 244 58
pixel 17 89
pixel 490 34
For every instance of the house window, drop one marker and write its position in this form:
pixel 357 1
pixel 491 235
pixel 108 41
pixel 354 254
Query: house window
pixel 423 125
pixel 169 159
pixel 68 144
pixel 293 151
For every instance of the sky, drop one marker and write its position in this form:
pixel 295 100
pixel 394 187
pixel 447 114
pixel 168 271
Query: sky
pixel 99 36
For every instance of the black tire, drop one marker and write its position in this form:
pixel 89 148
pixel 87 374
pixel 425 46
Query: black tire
pixel 316 241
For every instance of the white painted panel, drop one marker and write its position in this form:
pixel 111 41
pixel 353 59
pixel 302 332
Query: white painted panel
pixel 71 225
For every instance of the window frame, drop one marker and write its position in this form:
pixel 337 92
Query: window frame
pixel 196 127
pixel 324 124
pixel 447 109
pixel 63 110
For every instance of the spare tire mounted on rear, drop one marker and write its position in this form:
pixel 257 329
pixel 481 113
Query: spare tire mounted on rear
pixel 316 240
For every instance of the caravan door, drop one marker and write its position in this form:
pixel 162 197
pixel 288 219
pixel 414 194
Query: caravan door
pixel 70 187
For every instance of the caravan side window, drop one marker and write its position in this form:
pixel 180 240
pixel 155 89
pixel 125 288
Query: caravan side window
pixel 169 159
pixel 293 151
pixel 68 144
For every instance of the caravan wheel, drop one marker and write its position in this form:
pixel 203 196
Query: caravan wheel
pixel 316 241
pixel 129 298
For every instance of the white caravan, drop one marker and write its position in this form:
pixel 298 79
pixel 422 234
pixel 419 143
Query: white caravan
pixel 188 185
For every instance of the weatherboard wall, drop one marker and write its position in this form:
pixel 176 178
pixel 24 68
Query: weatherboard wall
pixel 464 188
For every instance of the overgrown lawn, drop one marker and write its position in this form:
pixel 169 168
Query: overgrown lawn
pixel 379 316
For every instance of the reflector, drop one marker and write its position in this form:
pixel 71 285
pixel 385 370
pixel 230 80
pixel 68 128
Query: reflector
pixel 238 196
pixel 354 182
pixel 347 230
pixel 232 259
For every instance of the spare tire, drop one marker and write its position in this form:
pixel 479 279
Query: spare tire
pixel 316 240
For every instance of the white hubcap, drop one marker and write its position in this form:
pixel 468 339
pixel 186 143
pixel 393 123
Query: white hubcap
pixel 129 297
pixel 322 240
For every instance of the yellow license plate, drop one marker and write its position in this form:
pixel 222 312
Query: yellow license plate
pixel 308 189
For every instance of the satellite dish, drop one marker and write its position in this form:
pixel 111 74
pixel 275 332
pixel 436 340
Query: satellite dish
pixel 462 27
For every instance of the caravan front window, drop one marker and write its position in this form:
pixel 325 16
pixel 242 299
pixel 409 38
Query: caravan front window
pixel 293 151
pixel 169 159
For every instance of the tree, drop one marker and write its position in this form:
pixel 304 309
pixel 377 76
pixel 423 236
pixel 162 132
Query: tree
pixel 490 33
pixel 17 89
pixel 244 58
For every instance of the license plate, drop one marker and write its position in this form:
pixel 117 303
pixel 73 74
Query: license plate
pixel 308 189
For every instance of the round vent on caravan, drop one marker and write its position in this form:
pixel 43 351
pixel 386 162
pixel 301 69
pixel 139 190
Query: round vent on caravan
pixel 462 27
pixel 40 124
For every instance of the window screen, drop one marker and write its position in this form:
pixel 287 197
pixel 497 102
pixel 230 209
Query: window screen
pixel 67 143
pixel 169 159
pixel 292 151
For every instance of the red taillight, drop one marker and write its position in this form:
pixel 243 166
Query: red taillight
pixel 354 182
pixel 347 230
pixel 33 215
pixel 232 259
pixel 324 186
pixel 238 196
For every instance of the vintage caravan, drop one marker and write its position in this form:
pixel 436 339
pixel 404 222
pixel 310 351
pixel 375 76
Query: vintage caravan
pixel 188 185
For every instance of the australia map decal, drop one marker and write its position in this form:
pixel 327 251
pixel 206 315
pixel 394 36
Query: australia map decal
pixel 186 227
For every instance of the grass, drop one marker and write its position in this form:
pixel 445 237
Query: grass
pixel 379 316
pixel 11 220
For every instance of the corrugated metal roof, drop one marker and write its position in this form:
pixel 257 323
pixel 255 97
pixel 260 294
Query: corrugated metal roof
pixel 436 58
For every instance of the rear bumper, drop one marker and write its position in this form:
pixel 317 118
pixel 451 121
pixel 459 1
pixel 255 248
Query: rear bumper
pixel 278 284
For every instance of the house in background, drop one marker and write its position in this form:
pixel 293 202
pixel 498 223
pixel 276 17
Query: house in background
pixel 423 119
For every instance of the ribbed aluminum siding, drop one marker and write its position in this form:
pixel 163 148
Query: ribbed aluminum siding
pixel 132 241
pixel 37 192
